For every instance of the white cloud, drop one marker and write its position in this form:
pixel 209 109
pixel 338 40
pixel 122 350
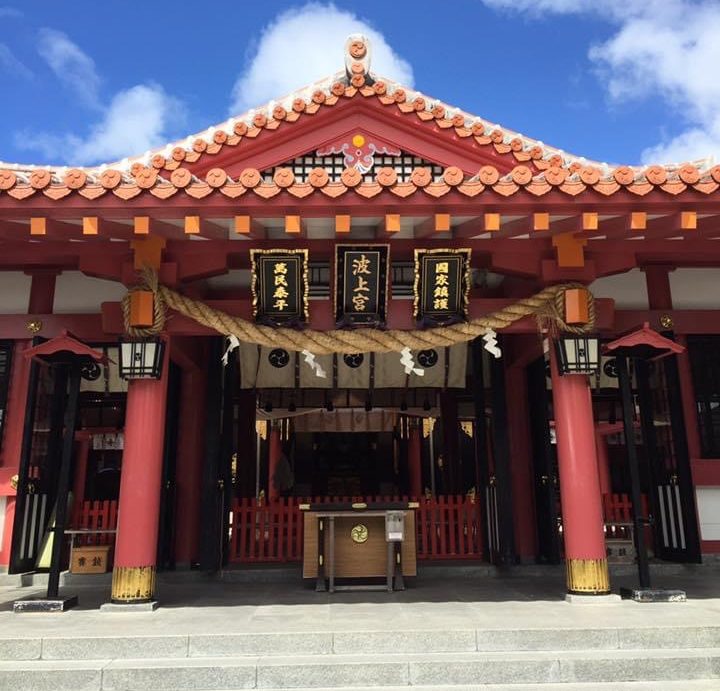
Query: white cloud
pixel 10 64
pixel 303 45
pixel 136 120
pixel 70 64
pixel 668 48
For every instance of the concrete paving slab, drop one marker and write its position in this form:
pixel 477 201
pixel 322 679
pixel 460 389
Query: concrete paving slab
pixel 113 647
pixel 233 645
pixel 68 675
pixel 178 675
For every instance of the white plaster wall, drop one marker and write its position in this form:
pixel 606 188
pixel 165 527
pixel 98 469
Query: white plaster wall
pixel 695 288
pixel 76 293
pixel 14 292
pixel 708 506
pixel 628 290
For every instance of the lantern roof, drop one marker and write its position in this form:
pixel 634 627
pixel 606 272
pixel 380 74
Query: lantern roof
pixel 63 345
pixel 645 343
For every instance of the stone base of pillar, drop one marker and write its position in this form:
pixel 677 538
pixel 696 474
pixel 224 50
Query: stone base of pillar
pixel 133 584
pixel 115 607
pixel 587 576
pixel 592 599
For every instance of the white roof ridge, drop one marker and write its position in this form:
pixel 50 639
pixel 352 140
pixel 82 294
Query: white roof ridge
pixel 325 84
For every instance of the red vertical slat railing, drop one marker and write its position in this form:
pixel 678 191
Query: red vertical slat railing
pixel 445 528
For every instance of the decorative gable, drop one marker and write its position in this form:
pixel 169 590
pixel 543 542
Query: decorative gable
pixel 365 153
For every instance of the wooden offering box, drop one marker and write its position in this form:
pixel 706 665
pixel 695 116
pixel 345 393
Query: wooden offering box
pixel 354 542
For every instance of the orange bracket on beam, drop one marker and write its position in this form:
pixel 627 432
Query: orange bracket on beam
pixel 577 306
pixel 492 222
pixel 392 223
pixel 442 223
pixel 90 225
pixel 541 221
pixel 141 225
pixel 638 220
pixel 148 252
pixel 141 308
pixel 688 220
pixel 38 226
pixel 590 220
pixel 293 224
pixel 192 225
pixel 342 223
pixel 243 225
pixel 569 250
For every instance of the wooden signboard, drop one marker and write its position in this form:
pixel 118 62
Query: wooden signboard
pixel 442 286
pixel 361 277
pixel 280 286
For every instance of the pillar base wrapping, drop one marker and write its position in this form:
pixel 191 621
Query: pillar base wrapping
pixel 587 576
pixel 133 584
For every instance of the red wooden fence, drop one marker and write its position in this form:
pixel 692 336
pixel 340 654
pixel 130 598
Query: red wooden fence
pixel 449 528
pixel 95 515
pixel 446 528
pixel 617 512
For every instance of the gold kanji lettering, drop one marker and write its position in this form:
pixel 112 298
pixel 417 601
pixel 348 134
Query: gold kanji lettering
pixel 362 286
pixel 280 268
pixel 440 304
pixel 441 280
pixel 361 265
pixel 360 302
pixel 280 304
pixel 280 292
pixel 442 268
pixel 441 292
pixel 280 280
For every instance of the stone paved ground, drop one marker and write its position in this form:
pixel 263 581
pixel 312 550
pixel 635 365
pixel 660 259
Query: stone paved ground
pixel 269 600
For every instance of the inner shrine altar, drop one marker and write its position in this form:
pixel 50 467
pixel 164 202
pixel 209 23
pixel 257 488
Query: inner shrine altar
pixel 359 541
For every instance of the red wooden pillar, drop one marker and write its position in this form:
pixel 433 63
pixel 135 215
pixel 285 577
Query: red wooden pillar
pixel 139 506
pixel 521 470
pixel 585 556
pixel 12 443
pixel 687 393
pixel 601 446
pixel 274 454
pixel 191 439
pixel 82 451
pixel 40 301
pixel 42 291
pixel 415 462
pixel 657 280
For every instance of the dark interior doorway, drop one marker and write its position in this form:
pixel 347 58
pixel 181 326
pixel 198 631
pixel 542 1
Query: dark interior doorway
pixel 344 464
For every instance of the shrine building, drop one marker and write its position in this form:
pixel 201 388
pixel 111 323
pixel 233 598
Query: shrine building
pixel 359 330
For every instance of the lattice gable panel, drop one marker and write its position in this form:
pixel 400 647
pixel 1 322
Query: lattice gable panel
pixel 365 152
pixel 334 164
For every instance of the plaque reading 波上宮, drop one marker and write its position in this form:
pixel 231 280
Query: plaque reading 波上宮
pixel 442 286
pixel 279 286
pixel 361 284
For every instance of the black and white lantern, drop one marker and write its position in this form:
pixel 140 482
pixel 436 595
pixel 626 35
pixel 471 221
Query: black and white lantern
pixel 141 358
pixel 578 354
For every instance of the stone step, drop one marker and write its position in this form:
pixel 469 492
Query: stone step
pixel 67 647
pixel 687 685
pixel 430 671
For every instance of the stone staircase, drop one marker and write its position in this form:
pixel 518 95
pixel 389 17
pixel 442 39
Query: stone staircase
pixel 667 658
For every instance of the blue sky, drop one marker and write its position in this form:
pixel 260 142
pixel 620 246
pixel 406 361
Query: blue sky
pixel 634 81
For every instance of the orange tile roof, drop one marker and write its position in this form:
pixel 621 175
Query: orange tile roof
pixel 166 172
pixel 571 181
